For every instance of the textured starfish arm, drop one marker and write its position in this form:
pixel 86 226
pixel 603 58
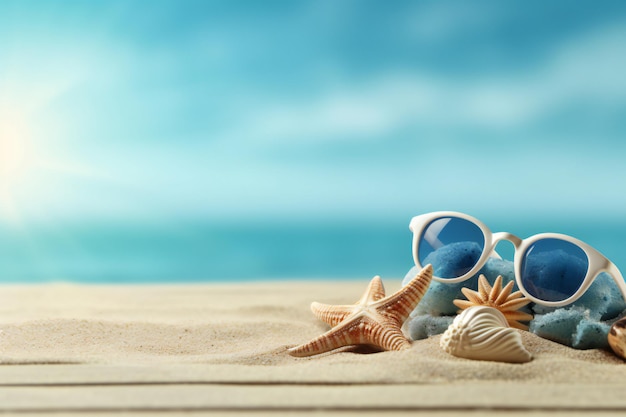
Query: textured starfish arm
pixel 463 304
pixel 504 293
pixel 484 288
pixel 473 296
pixel 516 294
pixel 497 287
pixel 375 291
pixel 348 333
pixel 517 316
pixel 518 325
pixel 330 314
pixel 515 304
pixel 399 305
pixel 388 338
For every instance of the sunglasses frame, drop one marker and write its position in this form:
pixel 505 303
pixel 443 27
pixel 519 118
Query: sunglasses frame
pixel 597 264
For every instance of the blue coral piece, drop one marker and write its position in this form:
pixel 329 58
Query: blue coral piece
pixel 424 326
pixel 583 324
pixel 561 325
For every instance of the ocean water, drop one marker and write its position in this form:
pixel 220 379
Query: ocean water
pixel 212 252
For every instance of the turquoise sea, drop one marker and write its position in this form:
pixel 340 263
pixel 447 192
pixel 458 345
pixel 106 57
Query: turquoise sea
pixel 212 252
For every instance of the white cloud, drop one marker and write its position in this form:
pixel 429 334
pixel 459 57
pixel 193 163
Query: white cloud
pixel 588 70
pixel 514 179
pixel 592 66
pixel 439 21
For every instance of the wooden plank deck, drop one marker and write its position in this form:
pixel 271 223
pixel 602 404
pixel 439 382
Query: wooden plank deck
pixel 203 389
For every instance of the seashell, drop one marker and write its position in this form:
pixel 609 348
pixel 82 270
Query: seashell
pixel 617 337
pixel 482 333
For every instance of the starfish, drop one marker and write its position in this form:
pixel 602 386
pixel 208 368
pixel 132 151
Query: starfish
pixel 499 298
pixel 374 320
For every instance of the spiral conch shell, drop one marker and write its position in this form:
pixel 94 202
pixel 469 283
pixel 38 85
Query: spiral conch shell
pixel 482 333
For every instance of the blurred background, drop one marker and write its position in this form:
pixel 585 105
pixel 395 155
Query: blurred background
pixel 181 140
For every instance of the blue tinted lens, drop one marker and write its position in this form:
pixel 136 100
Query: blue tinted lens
pixel 553 269
pixel 452 245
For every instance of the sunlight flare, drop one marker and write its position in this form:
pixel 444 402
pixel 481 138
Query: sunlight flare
pixel 14 159
pixel 13 150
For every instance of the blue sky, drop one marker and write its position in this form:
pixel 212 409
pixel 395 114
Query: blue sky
pixel 168 110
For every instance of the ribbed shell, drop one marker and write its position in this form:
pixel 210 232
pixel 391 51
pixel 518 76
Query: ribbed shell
pixel 482 333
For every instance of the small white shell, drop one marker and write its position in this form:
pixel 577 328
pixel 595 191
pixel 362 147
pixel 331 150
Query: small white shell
pixel 483 333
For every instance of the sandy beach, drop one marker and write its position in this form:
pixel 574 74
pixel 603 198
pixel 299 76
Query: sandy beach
pixel 221 348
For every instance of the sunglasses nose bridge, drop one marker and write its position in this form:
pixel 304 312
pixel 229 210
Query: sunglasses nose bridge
pixel 497 237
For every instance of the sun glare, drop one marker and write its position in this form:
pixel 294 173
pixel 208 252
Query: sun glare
pixel 12 152
pixel 13 163
pixel 32 155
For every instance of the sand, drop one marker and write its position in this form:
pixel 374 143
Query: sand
pixel 193 349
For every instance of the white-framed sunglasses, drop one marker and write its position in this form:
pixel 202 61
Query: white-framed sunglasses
pixel 551 269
